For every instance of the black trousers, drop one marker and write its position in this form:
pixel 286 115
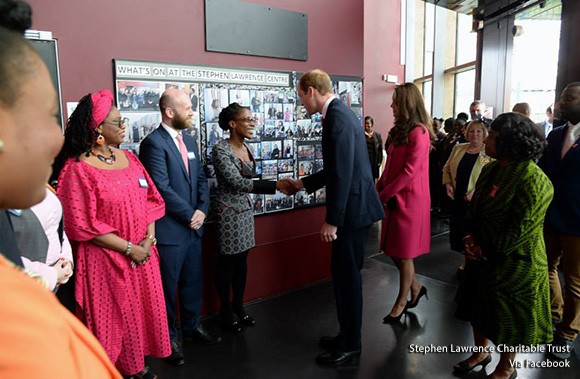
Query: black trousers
pixel 231 273
pixel 346 262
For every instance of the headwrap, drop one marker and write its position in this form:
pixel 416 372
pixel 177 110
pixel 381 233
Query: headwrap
pixel 102 102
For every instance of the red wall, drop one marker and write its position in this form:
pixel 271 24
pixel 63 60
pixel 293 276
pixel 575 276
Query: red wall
pixel 382 30
pixel 288 252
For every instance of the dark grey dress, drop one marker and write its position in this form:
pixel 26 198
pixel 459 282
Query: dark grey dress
pixel 232 206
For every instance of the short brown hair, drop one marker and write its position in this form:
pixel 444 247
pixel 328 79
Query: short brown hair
pixel 316 79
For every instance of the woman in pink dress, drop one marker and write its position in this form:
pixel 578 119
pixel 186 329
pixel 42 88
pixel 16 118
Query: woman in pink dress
pixel 110 206
pixel 404 191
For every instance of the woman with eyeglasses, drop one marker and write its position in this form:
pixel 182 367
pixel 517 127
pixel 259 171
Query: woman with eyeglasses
pixel 232 209
pixel 110 206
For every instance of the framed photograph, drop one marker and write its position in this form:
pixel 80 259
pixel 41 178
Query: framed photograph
pixel 286 165
pixel 215 99
pixel 270 169
pixel 240 96
pixel 257 203
pixel 138 96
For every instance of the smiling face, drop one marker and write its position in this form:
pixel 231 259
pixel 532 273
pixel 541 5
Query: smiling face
pixel 32 138
pixel 368 126
pixel 475 135
pixel 244 124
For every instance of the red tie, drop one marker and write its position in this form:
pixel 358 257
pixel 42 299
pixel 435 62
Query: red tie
pixel 183 151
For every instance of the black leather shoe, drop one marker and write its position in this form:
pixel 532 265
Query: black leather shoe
pixel 339 358
pixel 388 319
pixel 247 320
pixel 201 335
pixel 232 326
pixel 329 343
pixel 462 368
pixel 176 357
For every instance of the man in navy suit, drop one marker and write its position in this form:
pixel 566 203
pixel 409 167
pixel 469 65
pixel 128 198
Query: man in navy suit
pixel 172 159
pixel 561 162
pixel 352 206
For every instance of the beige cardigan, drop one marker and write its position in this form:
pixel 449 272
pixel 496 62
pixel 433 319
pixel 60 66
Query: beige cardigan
pixel 450 168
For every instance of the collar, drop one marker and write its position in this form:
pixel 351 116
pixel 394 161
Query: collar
pixel 325 106
pixel 172 132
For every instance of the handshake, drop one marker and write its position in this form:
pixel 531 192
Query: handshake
pixel 289 186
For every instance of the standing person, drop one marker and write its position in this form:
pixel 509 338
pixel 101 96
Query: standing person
pixel 561 162
pixel 460 174
pixel 39 336
pixel 172 159
pixel 374 146
pixel 509 288
pixel 547 125
pixel 404 192
pixel 235 167
pixel 110 206
pixel 352 206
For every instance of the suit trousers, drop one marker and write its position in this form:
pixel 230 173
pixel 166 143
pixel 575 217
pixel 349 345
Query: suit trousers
pixel 345 265
pixel 564 249
pixel 181 272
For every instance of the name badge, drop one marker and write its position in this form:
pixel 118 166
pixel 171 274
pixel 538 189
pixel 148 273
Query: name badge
pixel 190 155
pixel 143 183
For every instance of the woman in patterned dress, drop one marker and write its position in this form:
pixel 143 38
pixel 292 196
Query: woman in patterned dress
pixel 511 295
pixel 232 208
pixel 110 206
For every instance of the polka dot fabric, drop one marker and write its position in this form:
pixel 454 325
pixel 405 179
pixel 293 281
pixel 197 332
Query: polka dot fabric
pixel 123 306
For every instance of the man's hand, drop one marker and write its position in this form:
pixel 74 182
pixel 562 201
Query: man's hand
pixel 328 232
pixel 197 220
pixel 289 186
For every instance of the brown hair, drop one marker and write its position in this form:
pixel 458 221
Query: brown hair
pixel 316 79
pixel 410 113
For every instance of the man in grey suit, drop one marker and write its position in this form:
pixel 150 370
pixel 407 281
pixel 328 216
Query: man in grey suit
pixel 172 159
pixel 352 206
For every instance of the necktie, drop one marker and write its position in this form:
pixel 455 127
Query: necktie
pixel 183 151
pixel 570 139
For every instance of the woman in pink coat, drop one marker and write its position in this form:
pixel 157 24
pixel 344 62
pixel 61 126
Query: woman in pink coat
pixel 404 192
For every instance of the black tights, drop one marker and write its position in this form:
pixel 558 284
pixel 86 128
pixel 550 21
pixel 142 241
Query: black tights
pixel 231 271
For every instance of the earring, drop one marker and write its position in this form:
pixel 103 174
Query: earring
pixel 100 140
pixel 1 145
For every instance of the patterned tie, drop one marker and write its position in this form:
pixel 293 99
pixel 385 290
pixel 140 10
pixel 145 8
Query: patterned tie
pixel 183 151
pixel 570 138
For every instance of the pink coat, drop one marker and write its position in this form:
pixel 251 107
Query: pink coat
pixel 406 229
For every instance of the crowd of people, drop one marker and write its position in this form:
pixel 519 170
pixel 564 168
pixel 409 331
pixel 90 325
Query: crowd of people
pixel 130 228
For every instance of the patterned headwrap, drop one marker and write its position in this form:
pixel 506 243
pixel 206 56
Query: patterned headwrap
pixel 102 102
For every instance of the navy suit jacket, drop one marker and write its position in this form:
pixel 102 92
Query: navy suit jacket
pixel 352 201
pixel 183 193
pixel 564 212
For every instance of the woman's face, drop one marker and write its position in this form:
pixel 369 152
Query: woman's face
pixel 475 135
pixel 244 124
pixel 32 138
pixel 113 128
pixel 490 148
pixel 394 107
pixel 369 126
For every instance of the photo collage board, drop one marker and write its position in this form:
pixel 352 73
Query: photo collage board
pixel 286 143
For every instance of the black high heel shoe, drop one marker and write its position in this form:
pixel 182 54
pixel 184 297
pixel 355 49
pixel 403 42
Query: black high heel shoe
pixel 413 304
pixel 388 319
pixel 462 368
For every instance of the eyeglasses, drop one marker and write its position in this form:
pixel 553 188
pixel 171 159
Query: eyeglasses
pixel 247 119
pixel 119 122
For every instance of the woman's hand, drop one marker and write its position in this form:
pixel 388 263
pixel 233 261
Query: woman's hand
pixel 472 251
pixel 139 254
pixel 450 191
pixel 468 196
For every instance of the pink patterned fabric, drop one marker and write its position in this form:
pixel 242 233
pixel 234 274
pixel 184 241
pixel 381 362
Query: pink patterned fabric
pixel 122 306
pixel 406 230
